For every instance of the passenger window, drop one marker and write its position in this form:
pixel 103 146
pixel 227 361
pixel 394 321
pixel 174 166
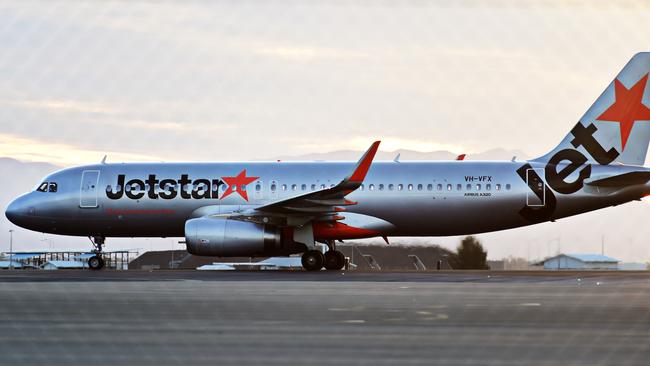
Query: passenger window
pixel 53 187
pixel 400 187
pixel 381 187
pixel 241 188
pixel 410 187
pixel 498 187
pixel 478 187
pixel 439 187
pixel 391 187
pixel 488 187
pixel 459 187
pixel 258 187
pixel 429 187
pixel 449 187
pixel 294 187
pixel 508 187
pixel 284 187
pixel 313 187
pixel 322 186
pixel 303 187
pixel 42 187
pixel 361 187
pixel 469 187
pixel 419 187
pixel 371 187
pixel 273 187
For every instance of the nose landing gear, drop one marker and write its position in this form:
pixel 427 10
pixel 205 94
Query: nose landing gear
pixel 96 262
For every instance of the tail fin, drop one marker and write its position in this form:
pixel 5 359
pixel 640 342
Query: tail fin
pixel 617 126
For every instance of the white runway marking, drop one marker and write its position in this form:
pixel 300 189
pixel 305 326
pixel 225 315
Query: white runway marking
pixel 353 321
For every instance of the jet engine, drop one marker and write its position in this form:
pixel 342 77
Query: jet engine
pixel 234 238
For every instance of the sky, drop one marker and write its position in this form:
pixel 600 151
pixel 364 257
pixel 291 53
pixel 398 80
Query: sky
pixel 224 80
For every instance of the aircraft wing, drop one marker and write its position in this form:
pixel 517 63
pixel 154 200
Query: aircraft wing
pixel 321 205
pixel 325 200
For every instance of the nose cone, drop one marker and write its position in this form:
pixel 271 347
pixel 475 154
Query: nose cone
pixel 16 210
pixel 12 212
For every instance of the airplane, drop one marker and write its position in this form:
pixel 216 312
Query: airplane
pixel 283 208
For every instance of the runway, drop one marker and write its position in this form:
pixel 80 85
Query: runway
pixel 279 318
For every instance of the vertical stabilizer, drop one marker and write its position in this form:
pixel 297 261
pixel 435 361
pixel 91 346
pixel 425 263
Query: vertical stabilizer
pixel 617 126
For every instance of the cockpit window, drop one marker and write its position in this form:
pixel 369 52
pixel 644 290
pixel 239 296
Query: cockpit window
pixel 48 187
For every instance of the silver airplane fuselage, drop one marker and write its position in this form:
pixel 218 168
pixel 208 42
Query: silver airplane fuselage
pixel 438 198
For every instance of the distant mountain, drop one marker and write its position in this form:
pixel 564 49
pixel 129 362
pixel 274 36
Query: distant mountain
pixel 405 155
pixel 21 177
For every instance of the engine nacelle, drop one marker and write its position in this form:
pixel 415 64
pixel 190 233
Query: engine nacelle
pixel 234 238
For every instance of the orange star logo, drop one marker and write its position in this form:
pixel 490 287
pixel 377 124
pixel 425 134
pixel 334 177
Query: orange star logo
pixel 238 184
pixel 628 108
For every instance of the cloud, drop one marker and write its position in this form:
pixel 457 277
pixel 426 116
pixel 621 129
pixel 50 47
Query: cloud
pixel 63 106
pixel 308 53
pixel 116 115
pixel 26 149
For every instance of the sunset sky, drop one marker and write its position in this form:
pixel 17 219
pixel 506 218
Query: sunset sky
pixel 250 80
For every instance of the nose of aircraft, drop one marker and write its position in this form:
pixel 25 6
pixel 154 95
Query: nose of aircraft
pixel 15 209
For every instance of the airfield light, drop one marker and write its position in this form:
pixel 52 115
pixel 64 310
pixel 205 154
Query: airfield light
pixel 11 249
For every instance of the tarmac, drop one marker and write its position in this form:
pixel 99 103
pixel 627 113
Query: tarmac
pixel 324 318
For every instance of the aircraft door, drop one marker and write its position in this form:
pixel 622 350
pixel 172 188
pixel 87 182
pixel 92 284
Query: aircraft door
pixel 89 181
pixel 536 195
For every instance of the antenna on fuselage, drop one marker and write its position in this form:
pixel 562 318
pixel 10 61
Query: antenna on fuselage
pixel 104 159
pixel 514 158
pixel 397 158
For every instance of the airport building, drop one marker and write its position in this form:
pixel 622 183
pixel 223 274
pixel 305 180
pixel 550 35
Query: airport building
pixel 580 262
pixel 52 260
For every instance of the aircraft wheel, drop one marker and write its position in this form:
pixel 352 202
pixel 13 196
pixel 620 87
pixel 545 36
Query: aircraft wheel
pixel 334 260
pixel 312 260
pixel 95 263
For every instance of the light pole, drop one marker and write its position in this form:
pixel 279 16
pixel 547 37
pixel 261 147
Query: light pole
pixel 11 249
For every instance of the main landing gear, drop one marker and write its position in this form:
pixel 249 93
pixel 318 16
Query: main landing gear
pixel 334 260
pixel 314 260
pixel 96 262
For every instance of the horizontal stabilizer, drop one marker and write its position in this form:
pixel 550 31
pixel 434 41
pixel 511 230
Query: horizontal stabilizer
pixel 622 180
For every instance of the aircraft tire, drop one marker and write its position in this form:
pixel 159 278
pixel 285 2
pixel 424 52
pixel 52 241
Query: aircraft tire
pixel 334 260
pixel 312 260
pixel 95 263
